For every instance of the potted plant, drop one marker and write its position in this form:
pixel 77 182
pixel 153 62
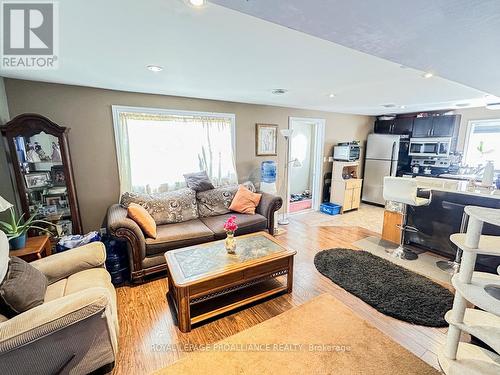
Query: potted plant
pixel 16 230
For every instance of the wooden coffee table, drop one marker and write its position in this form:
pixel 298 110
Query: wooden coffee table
pixel 204 281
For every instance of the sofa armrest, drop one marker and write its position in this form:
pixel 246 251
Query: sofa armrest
pixel 119 225
pixel 268 205
pixel 60 266
pixel 53 316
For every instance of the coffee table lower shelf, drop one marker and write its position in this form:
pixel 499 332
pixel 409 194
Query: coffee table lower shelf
pixel 207 307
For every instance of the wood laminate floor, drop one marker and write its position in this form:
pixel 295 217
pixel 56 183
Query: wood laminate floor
pixel 150 339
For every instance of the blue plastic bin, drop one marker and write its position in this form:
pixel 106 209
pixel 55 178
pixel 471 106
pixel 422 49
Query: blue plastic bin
pixel 330 208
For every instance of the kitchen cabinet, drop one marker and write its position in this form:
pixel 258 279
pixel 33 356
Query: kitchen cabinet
pixel 422 127
pixel 402 125
pixel 346 186
pixel 445 126
pixel 383 126
pixel 436 126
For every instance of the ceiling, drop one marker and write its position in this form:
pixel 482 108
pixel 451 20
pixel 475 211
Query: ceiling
pixel 456 39
pixel 220 53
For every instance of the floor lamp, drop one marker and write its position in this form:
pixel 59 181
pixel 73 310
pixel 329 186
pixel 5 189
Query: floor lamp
pixel 287 134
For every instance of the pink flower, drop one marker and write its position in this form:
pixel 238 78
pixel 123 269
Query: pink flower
pixel 230 224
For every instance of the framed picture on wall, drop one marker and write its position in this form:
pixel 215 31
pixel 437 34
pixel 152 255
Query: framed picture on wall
pixel 266 139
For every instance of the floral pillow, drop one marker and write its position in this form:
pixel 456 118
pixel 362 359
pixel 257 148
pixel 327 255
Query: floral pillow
pixel 165 208
pixel 217 201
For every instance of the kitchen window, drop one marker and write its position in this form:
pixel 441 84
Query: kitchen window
pixel 156 147
pixel 483 143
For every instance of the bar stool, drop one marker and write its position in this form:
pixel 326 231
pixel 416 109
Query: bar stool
pixel 404 190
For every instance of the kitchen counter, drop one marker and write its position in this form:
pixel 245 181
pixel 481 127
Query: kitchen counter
pixel 443 217
pixel 455 186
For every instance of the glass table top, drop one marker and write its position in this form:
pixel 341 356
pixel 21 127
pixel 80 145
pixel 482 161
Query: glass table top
pixel 200 259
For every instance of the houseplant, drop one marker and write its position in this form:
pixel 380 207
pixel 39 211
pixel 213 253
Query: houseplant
pixel 16 230
pixel 230 227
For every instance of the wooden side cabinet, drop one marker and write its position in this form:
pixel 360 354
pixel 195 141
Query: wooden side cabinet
pixel 346 186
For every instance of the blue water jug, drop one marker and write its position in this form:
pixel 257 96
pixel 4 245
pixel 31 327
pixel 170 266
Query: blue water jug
pixel 268 171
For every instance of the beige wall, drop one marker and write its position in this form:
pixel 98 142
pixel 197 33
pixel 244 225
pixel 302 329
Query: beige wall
pixel 469 114
pixel 87 111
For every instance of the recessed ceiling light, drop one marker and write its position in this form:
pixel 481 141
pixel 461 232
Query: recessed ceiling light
pixel 493 106
pixel 462 104
pixel 389 105
pixel 279 91
pixel 154 68
pixel 402 106
pixel 197 3
pixel 428 75
pixel 332 95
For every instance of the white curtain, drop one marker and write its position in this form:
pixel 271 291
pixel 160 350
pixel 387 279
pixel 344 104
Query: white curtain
pixel 155 150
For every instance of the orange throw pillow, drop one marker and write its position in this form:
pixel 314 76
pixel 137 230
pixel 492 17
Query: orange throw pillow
pixel 245 201
pixel 142 217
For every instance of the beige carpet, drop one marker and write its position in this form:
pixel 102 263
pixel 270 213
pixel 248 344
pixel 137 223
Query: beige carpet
pixel 322 336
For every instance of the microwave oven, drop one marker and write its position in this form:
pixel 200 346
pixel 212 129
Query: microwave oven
pixel 439 147
pixel 348 152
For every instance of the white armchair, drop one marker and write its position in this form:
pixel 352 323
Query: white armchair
pixel 75 330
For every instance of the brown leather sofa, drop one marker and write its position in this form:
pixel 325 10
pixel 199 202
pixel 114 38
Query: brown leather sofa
pixel 146 255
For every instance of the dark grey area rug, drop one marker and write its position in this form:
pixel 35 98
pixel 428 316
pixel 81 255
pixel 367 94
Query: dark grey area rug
pixel 389 288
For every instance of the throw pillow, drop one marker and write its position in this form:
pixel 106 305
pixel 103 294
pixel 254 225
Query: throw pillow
pixel 198 181
pixel 245 201
pixel 142 217
pixel 216 202
pixel 165 208
pixel 22 289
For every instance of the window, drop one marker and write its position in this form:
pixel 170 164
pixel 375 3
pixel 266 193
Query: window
pixel 156 147
pixel 483 143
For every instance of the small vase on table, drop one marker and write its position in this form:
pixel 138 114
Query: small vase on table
pixel 230 226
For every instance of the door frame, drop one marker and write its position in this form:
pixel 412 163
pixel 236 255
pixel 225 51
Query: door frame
pixel 317 169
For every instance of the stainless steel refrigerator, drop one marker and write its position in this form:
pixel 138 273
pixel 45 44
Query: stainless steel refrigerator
pixel 385 154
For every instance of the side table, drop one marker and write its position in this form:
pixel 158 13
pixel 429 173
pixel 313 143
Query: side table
pixel 36 248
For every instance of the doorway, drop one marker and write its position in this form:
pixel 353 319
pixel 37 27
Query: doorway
pixel 306 161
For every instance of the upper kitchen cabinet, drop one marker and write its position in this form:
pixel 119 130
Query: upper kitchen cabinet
pixel 436 126
pixel 383 126
pixel 402 125
pixel 445 126
pixel 422 127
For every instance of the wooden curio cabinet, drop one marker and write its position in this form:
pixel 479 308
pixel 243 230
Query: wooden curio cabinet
pixel 40 161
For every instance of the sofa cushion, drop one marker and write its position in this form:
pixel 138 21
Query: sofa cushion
pixel 246 224
pixel 165 208
pixel 245 201
pixel 22 288
pixel 217 201
pixel 91 278
pixel 198 181
pixel 173 236
pixel 142 217
pixel 55 290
